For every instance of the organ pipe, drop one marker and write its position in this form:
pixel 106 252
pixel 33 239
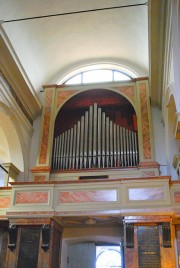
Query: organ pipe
pixel 95 141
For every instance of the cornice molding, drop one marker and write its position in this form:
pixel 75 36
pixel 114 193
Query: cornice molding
pixel 14 95
pixel 16 77
pixel 160 48
pixel 11 106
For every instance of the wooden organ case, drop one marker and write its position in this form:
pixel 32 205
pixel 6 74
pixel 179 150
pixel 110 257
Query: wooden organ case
pixel 104 128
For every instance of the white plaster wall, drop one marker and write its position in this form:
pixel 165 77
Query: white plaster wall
pixel 172 144
pixel 159 140
pixel 34 145
pixel 176 50
pixel 4 148
pixel 17 130
pixel 35 139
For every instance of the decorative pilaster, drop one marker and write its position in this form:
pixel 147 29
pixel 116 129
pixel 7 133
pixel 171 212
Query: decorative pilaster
pixel 42 170
pixel 154 245
pixel 46 128
pixel 144 129
pixel 34 243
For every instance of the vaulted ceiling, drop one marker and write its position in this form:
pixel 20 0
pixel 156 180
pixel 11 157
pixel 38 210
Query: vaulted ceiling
pixel 50 47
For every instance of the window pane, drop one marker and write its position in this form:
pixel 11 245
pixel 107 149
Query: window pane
pixel 120 76
pixel 97 76
pixel 108 256
pixel 74 80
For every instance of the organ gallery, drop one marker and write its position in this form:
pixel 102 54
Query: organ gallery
pixel 89 134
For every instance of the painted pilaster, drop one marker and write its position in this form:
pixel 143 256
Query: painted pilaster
pixel 42 170
pixel 145 133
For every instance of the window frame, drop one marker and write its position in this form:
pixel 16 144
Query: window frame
pixel 131 74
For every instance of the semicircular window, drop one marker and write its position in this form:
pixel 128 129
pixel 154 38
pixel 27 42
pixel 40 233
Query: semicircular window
pixel 95 129
pixel 108 256
pixel 97 76
pixel 98 73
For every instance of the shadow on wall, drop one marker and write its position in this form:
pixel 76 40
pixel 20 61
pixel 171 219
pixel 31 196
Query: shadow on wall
pixel 10 142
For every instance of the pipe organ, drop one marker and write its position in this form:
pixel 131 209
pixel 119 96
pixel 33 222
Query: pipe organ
pixel 95 141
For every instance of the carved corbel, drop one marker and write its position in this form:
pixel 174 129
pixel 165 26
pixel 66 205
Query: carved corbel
pixel 12 236
pixel 45 236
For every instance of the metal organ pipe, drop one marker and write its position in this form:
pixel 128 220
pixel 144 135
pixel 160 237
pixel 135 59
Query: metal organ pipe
pixel 95 142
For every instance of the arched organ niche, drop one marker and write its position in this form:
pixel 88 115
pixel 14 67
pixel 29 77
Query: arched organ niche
pixel 95 129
